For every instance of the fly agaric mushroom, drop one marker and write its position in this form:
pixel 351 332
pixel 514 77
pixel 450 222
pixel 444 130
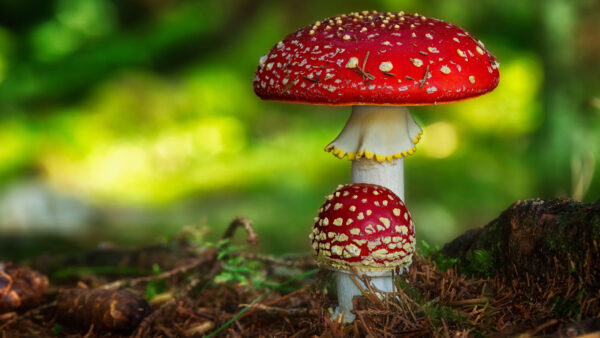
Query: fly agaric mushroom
pixel 379 63
pixel 366 227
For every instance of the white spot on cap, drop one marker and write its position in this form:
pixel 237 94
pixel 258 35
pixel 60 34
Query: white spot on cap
pixel 349 221
pixel 364 29
pixel 355 231
pixel 337 206
pixel 445 69
pixel 429 36
pixel 336 250
pixel 479 50
pixel 338 221
pixel 352 250
pixel 379 254
pixel 460 53
pixel 341 238
pixel 417 62
pixel 369 212
pixel 360 216
pixel 373 244
pixel 347 37
pixel 369 229
pixel 431 90
pixel 396 212
pixel 386 43
pixel 352 62
pixel 360 241
pixel 385 221
pixel 352 208
pixel 262 59
pixel 472 79
pixel 433 50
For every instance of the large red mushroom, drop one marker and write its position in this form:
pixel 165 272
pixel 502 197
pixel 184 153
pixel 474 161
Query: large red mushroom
pixel 364 227
pixel 379 63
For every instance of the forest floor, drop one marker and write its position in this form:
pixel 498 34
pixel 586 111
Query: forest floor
pixel 188 289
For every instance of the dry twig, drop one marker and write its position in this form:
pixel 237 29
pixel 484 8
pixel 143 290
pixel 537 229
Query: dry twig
pixel 246 224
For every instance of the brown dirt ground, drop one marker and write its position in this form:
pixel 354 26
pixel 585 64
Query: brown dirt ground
pixel 293 298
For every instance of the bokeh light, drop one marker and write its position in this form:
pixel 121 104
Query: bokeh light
pixel 131 120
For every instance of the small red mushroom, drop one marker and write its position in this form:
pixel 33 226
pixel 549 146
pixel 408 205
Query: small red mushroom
pixel 367 227
pixel 379 63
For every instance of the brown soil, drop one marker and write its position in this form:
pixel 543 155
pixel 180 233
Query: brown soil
pixel 198 296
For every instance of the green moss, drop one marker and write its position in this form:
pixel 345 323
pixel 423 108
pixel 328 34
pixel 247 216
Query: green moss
pixel 432 309
pixel 565 308
pixel 479 262
pixel 442 262
pixel 436 312
pixel 552 243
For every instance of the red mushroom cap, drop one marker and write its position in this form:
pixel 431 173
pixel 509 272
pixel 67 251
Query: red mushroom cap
pixel 366 226
pixel 377 58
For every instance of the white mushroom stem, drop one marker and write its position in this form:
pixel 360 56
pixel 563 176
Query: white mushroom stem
pixel 347 289
pixel 377 138
pixel 387 174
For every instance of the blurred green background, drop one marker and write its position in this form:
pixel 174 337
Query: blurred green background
pixel 124 121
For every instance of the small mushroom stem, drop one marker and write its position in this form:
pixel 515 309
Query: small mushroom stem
pixel 347 289
pixel 377 138
pixel 387 174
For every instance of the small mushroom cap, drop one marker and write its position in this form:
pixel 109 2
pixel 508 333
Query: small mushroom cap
pixel 376 58
pixel 365 226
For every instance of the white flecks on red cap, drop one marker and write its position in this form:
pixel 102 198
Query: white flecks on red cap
pixel 351 49
pixel 371 230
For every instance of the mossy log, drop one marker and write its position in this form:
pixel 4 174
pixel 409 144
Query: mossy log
pixel 536 239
